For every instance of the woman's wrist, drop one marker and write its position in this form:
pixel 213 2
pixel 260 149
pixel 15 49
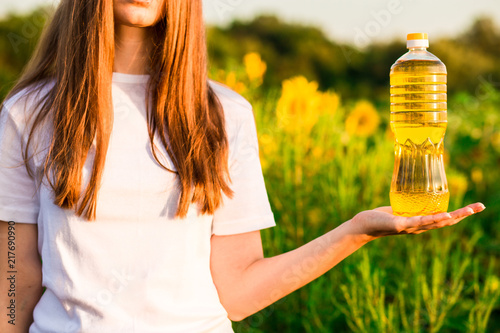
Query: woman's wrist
pixel 357 231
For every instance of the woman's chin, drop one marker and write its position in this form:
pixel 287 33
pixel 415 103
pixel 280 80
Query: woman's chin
pixel 136 20
pixel 136 13
pixel 136 24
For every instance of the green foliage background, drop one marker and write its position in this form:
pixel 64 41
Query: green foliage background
pixel 447 280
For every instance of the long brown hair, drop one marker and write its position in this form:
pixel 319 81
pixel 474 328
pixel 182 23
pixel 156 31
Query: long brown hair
pixel 76 51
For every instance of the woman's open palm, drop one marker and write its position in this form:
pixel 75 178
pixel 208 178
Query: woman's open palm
pixel 381 222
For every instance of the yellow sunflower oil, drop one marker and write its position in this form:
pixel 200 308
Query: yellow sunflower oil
pixel 418 121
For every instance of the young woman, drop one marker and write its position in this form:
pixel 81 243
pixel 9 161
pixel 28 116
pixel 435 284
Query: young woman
pixel 138 183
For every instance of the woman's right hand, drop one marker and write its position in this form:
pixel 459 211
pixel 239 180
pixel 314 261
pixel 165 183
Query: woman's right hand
pixel 381 222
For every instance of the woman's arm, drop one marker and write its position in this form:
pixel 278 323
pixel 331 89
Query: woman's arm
pixel 247 282
pixel 20 276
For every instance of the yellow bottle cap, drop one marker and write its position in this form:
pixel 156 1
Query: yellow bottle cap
pixel 417 36
pixel 417 40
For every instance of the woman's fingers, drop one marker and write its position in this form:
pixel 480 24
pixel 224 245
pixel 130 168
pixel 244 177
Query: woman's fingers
pixel 418 224
pixel 468 210
pixel 421 221
pixel 441 220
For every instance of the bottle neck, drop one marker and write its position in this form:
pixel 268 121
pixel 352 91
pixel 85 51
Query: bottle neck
pixel 417 48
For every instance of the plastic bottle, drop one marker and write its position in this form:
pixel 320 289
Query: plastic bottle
pixel 418 121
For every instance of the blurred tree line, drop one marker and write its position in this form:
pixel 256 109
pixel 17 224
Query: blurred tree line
pixel 18 37
pixel 290 49
pixel 470 57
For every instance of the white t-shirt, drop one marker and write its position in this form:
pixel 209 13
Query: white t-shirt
pixel 136 268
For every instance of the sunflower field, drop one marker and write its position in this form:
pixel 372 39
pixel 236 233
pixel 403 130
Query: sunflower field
pixel 324 160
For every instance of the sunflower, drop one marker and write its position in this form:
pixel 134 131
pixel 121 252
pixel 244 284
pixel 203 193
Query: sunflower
pixel 255 67
pixel 301 105
pixel 363 120
pixel 297 109
pixel 329 103
pixel 494 282
pixel 477 175
pixel 230 79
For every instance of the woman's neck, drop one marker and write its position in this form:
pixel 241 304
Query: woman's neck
pixel 132 47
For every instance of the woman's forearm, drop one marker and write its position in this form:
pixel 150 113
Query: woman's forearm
pixel 269 279
pixel 20 276
pixel 20 293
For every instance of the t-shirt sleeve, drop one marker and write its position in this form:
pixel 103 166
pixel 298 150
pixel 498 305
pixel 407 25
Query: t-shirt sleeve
pixel 18 199
pixel 249 208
